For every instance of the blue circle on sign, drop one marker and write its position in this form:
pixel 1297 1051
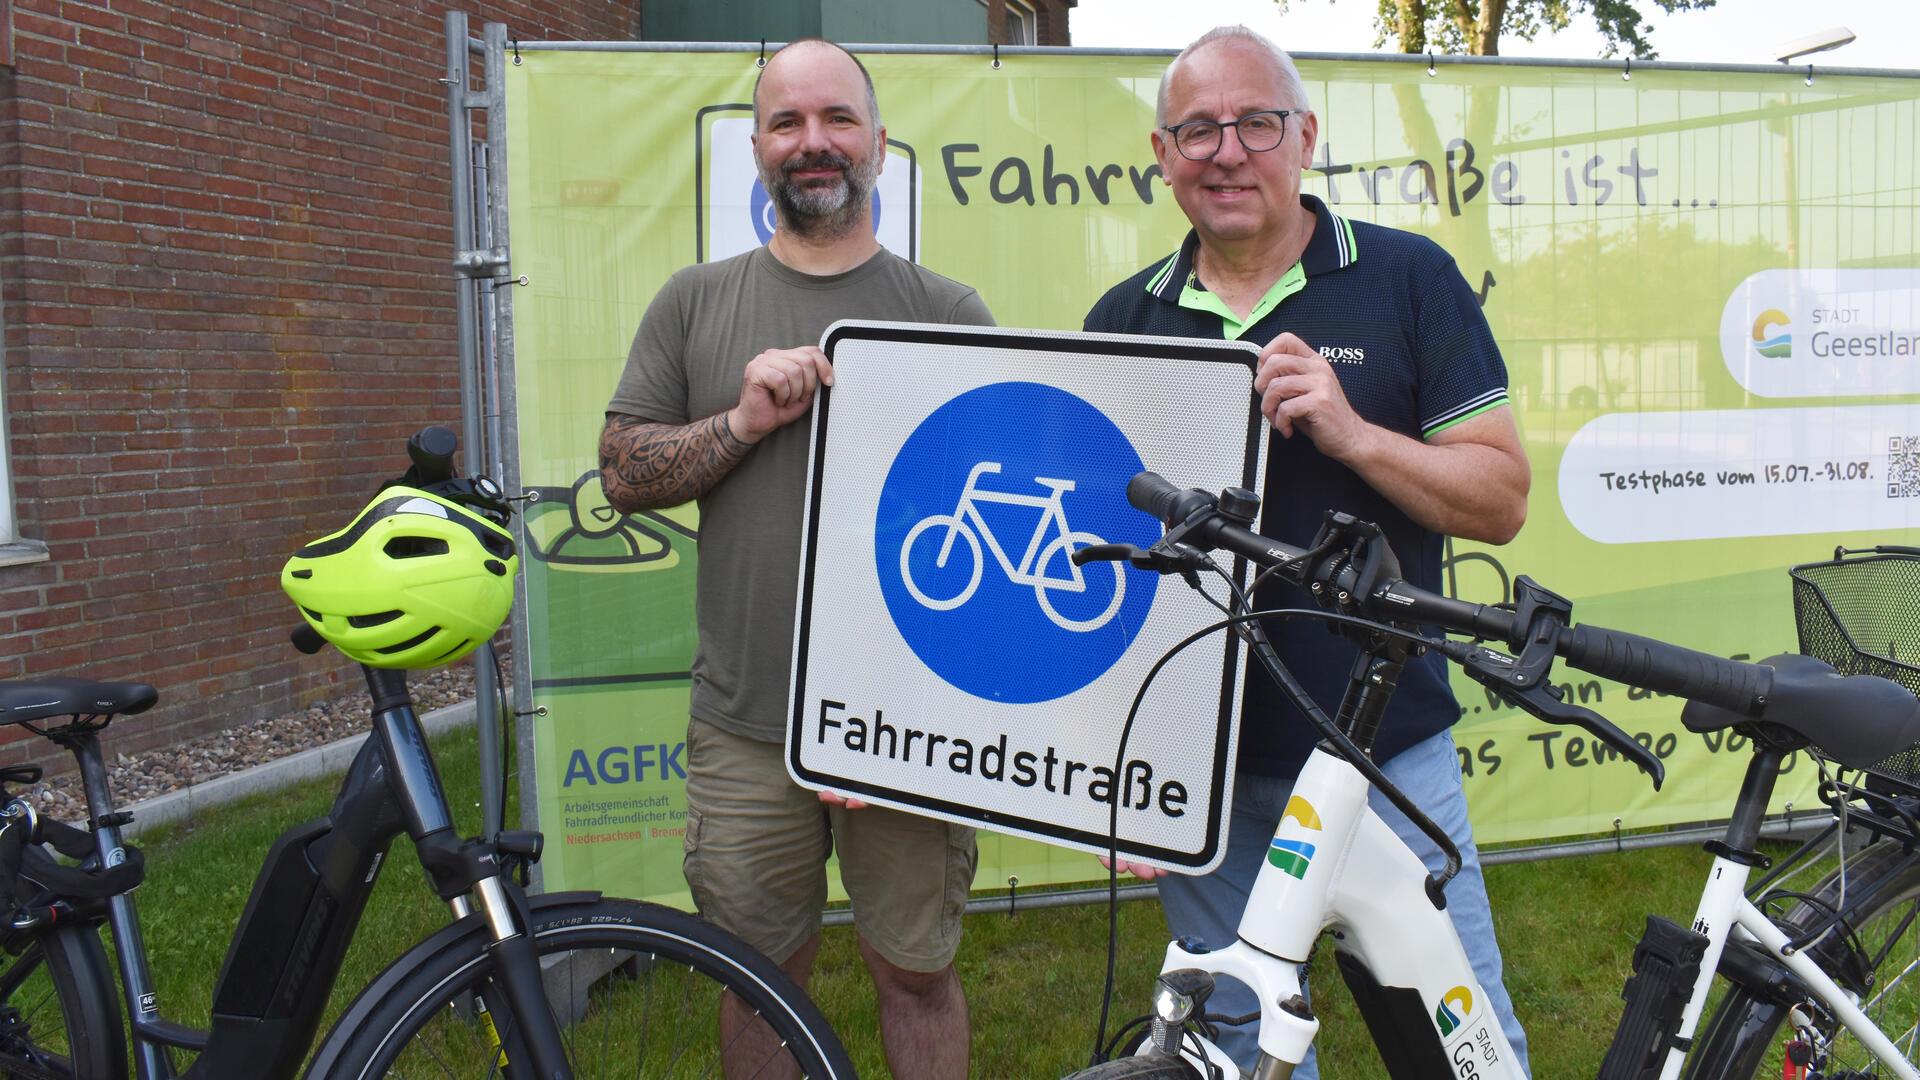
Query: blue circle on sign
pixel 979 516
pixel 766 219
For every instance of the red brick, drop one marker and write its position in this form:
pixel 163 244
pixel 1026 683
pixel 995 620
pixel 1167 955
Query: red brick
pixel 225 226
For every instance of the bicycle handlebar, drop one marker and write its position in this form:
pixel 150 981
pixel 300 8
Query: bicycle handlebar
pixel 1613 654
pixel 431 450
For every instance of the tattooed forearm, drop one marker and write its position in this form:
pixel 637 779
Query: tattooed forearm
pixel 645 465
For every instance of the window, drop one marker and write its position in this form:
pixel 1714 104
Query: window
pixel 1022 27
pixel 13 549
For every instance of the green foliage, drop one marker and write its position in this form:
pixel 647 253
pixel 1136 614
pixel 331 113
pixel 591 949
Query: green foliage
pixel 1474 27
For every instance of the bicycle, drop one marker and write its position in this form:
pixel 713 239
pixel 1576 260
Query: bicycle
pixel 967 523
pixel 1335 867
pixel 517 985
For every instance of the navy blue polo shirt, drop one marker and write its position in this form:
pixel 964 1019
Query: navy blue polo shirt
pixel 1413 353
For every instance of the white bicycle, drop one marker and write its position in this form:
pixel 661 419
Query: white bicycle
pixel 1817 965
pixel 966 523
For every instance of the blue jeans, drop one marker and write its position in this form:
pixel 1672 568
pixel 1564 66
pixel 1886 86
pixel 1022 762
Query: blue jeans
pixel 1209 908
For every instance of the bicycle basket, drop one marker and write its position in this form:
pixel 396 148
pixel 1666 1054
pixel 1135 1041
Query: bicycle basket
pixel 1861 614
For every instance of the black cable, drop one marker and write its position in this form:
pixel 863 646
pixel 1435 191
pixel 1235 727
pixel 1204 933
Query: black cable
pixel 506 717
pixel 1308 556
pixel 1100 1044
pixel 1247 626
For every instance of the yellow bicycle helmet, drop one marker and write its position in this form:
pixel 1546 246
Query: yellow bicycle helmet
pixel 415 581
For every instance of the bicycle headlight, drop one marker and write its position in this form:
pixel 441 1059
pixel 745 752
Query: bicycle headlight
pixel 1171 1005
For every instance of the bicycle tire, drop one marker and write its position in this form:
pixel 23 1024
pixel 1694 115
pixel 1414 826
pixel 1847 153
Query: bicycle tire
pixel 1139 1067
pixel 413 1013
pixel 1744 1037
pixel 60 1012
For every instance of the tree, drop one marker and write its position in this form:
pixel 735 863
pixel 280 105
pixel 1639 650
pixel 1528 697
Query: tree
pixel 1474 26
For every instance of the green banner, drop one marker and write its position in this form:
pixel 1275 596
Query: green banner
pixel 1702 283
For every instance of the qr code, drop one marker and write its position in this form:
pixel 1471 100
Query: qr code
pixel 1903 466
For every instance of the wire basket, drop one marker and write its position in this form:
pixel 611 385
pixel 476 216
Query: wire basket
pixel 1860 612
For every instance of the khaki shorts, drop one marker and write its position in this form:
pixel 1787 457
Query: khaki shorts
pixel 757 846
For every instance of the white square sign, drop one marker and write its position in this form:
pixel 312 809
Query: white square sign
pixel 950 659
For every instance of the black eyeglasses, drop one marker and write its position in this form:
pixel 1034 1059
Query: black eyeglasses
pixel 1200 140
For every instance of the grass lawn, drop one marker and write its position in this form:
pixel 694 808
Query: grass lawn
pixel 1033 979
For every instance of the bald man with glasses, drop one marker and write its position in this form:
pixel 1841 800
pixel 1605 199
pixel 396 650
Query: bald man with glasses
pixel 1388 400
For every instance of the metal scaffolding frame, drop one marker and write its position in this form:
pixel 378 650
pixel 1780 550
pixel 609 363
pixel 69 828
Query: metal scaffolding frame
pixel 483 316
pixel 482 266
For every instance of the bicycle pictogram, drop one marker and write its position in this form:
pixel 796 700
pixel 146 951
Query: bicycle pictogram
pixel 1053 540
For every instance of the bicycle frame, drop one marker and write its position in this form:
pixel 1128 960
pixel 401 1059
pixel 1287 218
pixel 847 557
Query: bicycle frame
pixel 1724 910
pixel 306 905
pixel 1334 865
pixel 1053 511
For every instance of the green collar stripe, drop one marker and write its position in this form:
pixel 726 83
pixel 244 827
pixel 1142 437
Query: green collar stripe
pixel 1160 278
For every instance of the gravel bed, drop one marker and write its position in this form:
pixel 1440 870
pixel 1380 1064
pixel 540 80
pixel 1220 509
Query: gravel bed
pixel 134 777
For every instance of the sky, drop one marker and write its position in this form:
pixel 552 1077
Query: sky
pixel 1732 32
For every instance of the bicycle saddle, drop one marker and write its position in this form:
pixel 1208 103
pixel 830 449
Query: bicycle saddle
pixel 26 700
pixel 1857 720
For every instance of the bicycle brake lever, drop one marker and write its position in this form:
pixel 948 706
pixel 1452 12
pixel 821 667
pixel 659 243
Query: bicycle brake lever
pixel 1161 558
pixel 1543 701
pixel 1104 553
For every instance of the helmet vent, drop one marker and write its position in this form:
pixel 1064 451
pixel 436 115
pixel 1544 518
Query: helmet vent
pixel 417 639
pixel 414 547
pixel 314 615
pixel 500 546
pixel 364 621
pixel 450 652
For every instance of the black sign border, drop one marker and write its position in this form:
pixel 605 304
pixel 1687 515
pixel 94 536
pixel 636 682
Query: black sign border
pixel 1088 345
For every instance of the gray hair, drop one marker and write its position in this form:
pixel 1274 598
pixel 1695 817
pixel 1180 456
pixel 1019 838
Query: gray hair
pixel 873 100
pixel 1289 75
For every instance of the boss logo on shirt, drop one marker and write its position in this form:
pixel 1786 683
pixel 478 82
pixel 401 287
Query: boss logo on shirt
pixel 1343 354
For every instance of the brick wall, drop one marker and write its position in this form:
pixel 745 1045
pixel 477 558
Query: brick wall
pixel 1050 19
pixel 224 238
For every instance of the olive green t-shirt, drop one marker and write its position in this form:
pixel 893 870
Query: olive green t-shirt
pixel 686 364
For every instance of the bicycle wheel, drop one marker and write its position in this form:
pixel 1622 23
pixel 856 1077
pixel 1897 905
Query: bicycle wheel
pixel 638 987
pixel 1880 964
pixel 1143 1067
pixel 59 1013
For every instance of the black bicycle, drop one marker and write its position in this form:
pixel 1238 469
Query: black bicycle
pixel 559 985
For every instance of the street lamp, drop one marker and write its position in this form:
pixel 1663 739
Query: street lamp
pixel 1805 46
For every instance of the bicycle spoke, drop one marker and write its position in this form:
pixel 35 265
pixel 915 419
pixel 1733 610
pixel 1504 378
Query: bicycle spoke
pixel 1890 985
pixel 442 1062
pixel 646 1008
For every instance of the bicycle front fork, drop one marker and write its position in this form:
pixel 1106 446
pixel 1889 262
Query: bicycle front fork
pixel 469 875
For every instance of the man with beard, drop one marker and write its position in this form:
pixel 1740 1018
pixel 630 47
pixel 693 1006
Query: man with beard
pixel 722 366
